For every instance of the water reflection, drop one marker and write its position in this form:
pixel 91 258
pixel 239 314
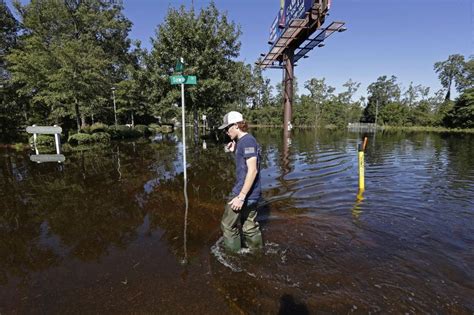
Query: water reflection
pixel 357 209
pixel 185 232
pixel 286 166
pixel 121 218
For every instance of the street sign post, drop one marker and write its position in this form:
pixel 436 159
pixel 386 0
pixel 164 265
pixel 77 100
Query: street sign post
pixel 176 79
pixel 183 79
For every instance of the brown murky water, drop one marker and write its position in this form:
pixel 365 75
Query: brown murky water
pixel 108 231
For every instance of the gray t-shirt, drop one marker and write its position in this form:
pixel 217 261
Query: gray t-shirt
pixel 247 147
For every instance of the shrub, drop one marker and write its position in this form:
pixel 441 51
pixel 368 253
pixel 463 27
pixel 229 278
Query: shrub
pixel 166 128
pixel 80 139
pixel 43 140
pixel 143 130
pixel 154 128
pixel 123 132
pixel 99 127
pixel 116 132
pixel 19 146
pixel 86 129
pixel 101 137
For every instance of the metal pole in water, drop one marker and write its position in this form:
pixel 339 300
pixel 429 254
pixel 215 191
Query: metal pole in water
pixel 184 131
pixel 184 261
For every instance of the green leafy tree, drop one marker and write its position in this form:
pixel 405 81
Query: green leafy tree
pixel 468 75
pixel 71 52
pixel 411 95
pixel 319 90
pixel 418 111
pixel 451 71
pixel 439 107
pixel 260 89
pixel 278 100
pixel 8 38
pixel 381 93
pixel 462 113
pixel 131 92
pixel 243 85
pixel 351 88
pixel 352 110
pixel 333 113
pixel 11 108
pixel 420 114
pixel 320 93
pixel 424 91
pixel 209 43
pixel 303 112
pixel 394 114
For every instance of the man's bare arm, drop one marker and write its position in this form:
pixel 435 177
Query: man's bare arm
pixel 250 177
pixel 237 202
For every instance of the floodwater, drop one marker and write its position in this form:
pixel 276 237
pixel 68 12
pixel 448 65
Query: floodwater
pixel 110 230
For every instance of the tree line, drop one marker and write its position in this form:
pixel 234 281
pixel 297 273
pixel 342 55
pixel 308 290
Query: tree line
pixel 386 103
pixel 62 62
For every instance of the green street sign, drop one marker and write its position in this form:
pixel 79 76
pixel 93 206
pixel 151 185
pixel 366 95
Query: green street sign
pixel 183 79
pixel 190 79
pixel 177 79
pixel 179 66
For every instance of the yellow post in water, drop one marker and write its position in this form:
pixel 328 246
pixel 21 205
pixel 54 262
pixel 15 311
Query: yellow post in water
pixel 362 166
pixel 361 172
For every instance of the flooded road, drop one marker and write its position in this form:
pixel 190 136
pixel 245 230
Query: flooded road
pixel 109 231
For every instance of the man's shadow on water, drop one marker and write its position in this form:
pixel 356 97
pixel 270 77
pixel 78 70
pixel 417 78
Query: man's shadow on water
pixel 263 212
pixel 289 306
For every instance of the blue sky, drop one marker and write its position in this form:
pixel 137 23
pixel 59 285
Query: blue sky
pixel 384 37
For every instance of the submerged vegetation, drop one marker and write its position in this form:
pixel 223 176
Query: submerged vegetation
pixel 56 67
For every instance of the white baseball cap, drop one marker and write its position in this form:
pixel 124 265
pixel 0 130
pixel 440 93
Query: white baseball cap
pixel 231 118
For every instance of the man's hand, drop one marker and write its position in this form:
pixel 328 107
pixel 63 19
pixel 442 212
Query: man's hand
pixel 231 146
pixel 236 204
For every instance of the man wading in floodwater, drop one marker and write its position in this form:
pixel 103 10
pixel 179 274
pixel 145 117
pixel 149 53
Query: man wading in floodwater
pixel 242 208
